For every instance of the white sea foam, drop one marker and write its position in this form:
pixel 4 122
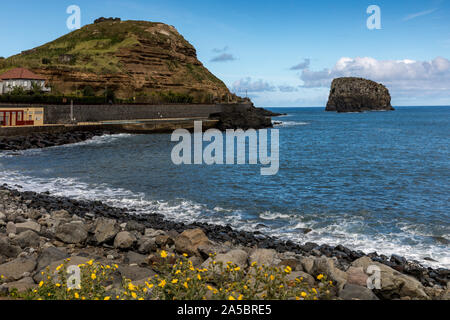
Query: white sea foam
pixel 289 123
pixel 187 211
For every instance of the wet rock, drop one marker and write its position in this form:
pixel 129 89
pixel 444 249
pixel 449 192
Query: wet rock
pixel 124 240
pixel 189 241
pixel 355 292
pixel 74 233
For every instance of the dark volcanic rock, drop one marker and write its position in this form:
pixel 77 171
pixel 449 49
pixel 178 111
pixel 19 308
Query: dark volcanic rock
pixel 45 139
pixel 252 118
pixel 357 95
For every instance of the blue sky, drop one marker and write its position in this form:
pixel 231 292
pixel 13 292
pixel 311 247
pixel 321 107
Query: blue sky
pixel 254 45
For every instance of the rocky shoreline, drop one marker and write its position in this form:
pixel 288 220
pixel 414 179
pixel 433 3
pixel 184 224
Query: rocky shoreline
pixel 37 230
pixel 46 140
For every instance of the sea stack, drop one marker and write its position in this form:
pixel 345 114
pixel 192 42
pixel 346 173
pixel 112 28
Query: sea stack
pixel 358 95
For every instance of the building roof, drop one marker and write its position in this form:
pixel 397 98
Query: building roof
pixel 20 73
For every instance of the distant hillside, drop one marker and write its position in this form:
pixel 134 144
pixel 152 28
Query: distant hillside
pixel 134 58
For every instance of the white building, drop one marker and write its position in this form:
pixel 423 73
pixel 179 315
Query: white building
pixel 20 77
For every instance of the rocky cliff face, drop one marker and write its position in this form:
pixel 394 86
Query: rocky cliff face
pixel 357 95
pixel 134 58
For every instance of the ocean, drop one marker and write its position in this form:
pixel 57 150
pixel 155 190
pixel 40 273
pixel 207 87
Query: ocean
pixel 375 181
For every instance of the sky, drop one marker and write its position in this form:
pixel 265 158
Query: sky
pixel 281 53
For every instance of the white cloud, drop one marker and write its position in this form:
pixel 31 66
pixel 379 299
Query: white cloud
pixel 418 14
pixel 403 77
pixel 223 58
pixel 246 84
pixel 302 65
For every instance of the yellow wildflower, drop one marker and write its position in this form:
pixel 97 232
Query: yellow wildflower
pixel 41 283
pixel 162 284
pixel 77 296
pixel 163 254
pixel 93 276
pixel 107 298
pixel 175 281
pixel 320 277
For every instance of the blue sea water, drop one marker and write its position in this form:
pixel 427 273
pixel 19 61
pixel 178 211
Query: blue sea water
pixel 375 181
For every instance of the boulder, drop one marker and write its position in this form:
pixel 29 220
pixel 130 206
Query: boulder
pixel 132 257
pixel 267 257
pixel 27 239
pixel 11 228
pixel 354 292
pixel 29 225
pixel 357 276
pixel 357 95
pixel 146 245
pixel 307 264
pixel 7 249
pixel 74 261
pixel 22 285
pixel 124 240
pixel 325 266
pixel 189 241
pixel 50 255
pixel 105 230
pixel 307 278
pixel 15 269
pixel 135 226
pixel 71 233
pixel 393 283
pixel 237 257
pixel 134 273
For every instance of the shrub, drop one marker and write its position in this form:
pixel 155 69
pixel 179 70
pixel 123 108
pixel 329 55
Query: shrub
pixel 88 91
pixel 46 61
pixel 178 279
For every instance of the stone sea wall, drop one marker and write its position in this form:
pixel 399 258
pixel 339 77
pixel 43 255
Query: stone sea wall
pixel 60 114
